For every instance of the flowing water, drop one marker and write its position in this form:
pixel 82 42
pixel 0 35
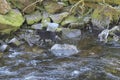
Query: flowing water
pixel 94 62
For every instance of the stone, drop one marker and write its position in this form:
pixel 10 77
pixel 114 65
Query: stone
pixel 4 7
pixel 52 27
pixel 11 21
pixel 30 37
pixel 57 18
pixel 103 36
pixel 3 47
pixel 14 42
pixel 64 50
pixel 71 33
pixel 52 6
pixel 33 17
pixel 37 26
pixel 69 19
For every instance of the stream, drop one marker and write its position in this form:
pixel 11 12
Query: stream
pixel 94 62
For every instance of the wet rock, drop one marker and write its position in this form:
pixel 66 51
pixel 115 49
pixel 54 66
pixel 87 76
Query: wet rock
pixel 4 7
pixel 14 42
pixel 33 18
pixel 57 18
pixel 37 26
pixel 11 21
pixel 105 35
pixel 71 33
pixel 75 73
pixel 52 27
pixel 63 50
pixel 69 19
pixel 52 6
pixel 29 37
pixel 22 4
pixel 4 47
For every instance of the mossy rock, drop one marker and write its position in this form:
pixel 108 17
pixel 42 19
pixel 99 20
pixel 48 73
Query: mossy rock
pixel 11 21
pixel 33 17
pixel 69 19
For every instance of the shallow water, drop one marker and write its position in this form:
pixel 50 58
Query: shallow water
pixel 94 62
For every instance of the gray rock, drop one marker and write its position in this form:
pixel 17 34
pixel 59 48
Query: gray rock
pixel 14 42
pixel 52 26
pixel 64 50
pixel 37 26
pixel 30 37
pixel 33 18
pixel 71 33
pixel 4 47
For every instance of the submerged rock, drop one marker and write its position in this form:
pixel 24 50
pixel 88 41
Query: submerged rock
pixel 64 50
pixel 71 33
pixel 4 7
pixel 33 18
pixel 11 21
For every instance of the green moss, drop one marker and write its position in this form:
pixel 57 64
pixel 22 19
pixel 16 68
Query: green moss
pixel 69 19
pixel 13 18
pixel 12 21
pixel 33 17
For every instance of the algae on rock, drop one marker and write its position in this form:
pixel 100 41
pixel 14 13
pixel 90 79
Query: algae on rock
pixel 11 21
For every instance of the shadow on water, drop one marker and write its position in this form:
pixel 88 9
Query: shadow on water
pixel 93 62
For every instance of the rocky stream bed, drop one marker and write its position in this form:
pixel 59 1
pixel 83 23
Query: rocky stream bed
pixel 80 42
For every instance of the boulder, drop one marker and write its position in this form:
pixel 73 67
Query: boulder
pixel 11 21
pixel 33 17
pixel 4 7
pixel 63 50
